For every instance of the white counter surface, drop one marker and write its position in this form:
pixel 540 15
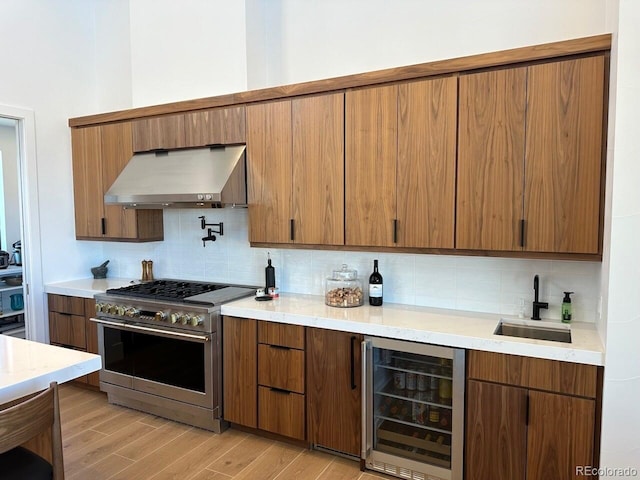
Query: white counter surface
pixel 87 287
pixel 28 367
pixel 452 328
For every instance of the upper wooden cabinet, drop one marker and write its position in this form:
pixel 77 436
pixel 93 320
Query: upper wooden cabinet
pixel 400 164
pixel 216 126
pixel 99 155
pixel 295 157
pixel 530 158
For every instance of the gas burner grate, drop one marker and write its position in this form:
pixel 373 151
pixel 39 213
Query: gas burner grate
pixel 168 290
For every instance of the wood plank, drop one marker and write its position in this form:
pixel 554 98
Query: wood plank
pixel 281 368
pixel 552 375
pixel 496 432
pixel 271 463
pixel 318 169
pixel 240 456
pixel 565 114
pixel 371 130
pixel 158 133
pixel 440 67
pixel 427 122
pixel 560 436
pixel 341 469
pixel 269 171
pixel 273 333
pixel 309 464
pixel 155 439
pixel 491 160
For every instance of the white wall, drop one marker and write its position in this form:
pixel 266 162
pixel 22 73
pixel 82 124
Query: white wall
pixel 187 49
pixel 621 418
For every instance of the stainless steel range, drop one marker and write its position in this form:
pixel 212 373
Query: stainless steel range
pixel 160 347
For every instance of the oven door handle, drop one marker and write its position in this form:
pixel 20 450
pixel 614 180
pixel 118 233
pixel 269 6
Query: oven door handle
pixel 155 331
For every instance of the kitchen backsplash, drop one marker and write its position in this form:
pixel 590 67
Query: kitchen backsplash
pixel 495 285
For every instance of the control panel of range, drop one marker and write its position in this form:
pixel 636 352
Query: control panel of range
pixel 178 317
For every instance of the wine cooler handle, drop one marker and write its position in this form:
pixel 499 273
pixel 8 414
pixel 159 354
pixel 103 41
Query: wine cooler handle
pixel 363 395
pixel 353 364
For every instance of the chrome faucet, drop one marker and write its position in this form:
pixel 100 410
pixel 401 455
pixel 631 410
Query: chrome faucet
pixel 536 304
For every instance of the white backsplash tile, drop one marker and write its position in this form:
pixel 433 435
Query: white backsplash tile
pixel 483 284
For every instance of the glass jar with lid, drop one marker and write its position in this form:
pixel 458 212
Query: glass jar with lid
pixel 344 289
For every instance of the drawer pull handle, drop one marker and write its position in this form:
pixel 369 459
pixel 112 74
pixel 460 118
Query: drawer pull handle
pixel 280 390
pixel 353 364
pixel 280 347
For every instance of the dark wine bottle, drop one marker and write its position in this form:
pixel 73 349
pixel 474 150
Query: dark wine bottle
pixel 270 275
pixel 375 286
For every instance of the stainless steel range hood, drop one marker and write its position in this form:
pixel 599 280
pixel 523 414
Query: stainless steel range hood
pixel 199 177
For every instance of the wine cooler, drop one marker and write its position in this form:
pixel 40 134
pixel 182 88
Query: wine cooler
pixel 413 409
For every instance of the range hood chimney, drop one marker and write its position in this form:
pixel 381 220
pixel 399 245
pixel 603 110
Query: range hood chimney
pixel 198 177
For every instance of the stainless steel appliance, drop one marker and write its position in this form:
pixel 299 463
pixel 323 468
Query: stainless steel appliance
pixel 160 347
pixel 413 409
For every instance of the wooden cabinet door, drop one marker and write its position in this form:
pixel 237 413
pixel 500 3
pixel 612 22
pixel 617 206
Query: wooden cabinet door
pixel 67 330
pixel 216 126
pixel 318 169
pixel 334 390
pixel 269 171
pixel 491 136
pixel 240 382
pixel 496 434
pixel 159 133
pixel 88 195
pixel 281 412
pixel 565 105
pixel 116 152
pixel 427 119
pixel 560 436
pixel 370 165
pixel 91 332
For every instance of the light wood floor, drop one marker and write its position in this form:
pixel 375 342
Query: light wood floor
pixel 103 441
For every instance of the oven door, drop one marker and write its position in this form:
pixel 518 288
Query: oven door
pixel 165 363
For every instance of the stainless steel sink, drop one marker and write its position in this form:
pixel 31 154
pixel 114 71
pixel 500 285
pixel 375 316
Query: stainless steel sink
pixel 534 330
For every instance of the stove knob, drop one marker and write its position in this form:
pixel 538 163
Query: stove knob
pixel 132 312
pixel 185 319
pixel 112 308
pixel 175 316
pixel 196 320
pixel 120 309
pixel 99 307
pixel 160 316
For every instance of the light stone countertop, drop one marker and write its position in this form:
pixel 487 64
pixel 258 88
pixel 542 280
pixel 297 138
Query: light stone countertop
pixel 452 328
pixel 87 287
pixel 28 367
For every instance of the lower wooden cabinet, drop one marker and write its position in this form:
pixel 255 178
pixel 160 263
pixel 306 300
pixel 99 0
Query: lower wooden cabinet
pixel 515 431
pixel 334 390
pixel 264 376
pixel 70 327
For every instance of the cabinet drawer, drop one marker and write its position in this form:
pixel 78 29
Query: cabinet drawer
pixel 281 334
pixel 281 412
pixel 552 375
pixel 68 330
pixel 66 304
pixel 281 367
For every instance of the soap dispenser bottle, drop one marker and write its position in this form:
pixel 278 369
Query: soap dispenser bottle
pixel 566 307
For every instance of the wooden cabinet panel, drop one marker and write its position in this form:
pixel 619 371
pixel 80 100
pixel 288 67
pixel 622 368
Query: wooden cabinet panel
pixel 334 390
pixel 281 368
pixel 560 436
pixel 281 412
pixel 159 133
pixel 370 165
pixel 216 126
pixel 87 177
pixel 240 381
pixel 91 331
pixel 491 159
pixel 66 304
pixel 281 334
pixel 318 169
pixel 269 171
pixel 552 375
pixel 427 119
pixel 564 155
pixel 496 435
pixel 67 330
